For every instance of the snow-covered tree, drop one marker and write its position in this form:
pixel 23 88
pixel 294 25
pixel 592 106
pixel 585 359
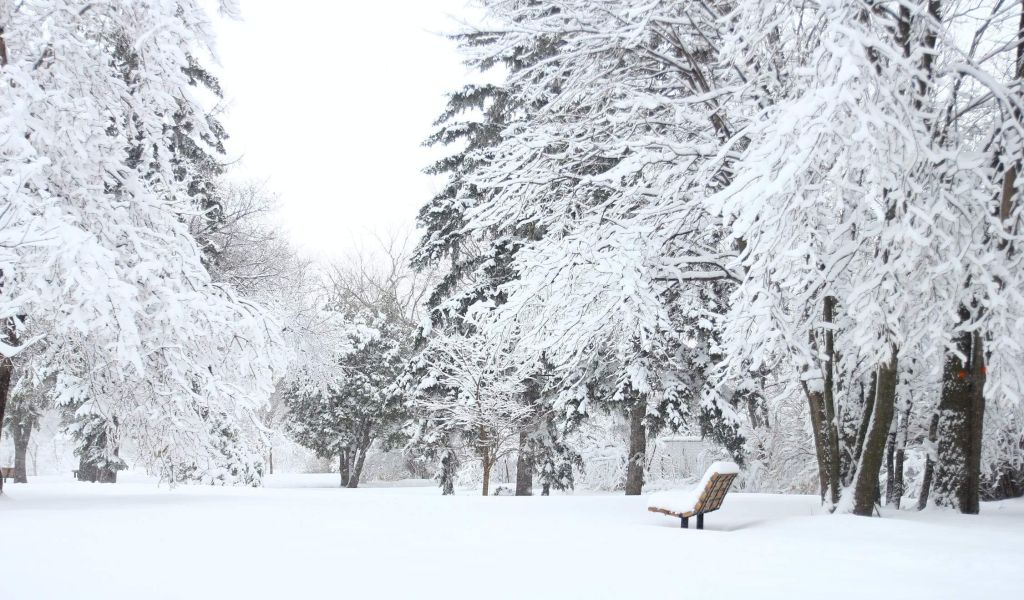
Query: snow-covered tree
pixel 752 214
pixel 475 263
pixel 603 162
pixel 26 406
pixel 862 198
pixel 362 406
pixel 97 255
pixel 471 393
pixel 357 399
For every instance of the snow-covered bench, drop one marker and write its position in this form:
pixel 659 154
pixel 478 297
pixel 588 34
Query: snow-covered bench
pixel 6 473
pixel 706 497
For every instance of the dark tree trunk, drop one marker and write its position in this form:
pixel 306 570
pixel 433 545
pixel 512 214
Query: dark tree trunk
pixel 637 447
pixel 815 403
pixel 486 457
pixel 1008 198
pixel 86 471
pixel 869 408
pixel 972 500
pixel 6 364
pixel 756 422
pixel 449 464
pixel 3 49
pixel 828 397
pixel 850 431
pixel 894 490
pixel 822 410
pixel 487 463
pixel 359 459
pixel 6 370
pixel 866 481
pixel 355 470
pixel 961 415
pixel 524 466
pixel 270 461
pixel 21 433
pixel 897 477
pixel 890 462
pixel 343 468
pixel 929 463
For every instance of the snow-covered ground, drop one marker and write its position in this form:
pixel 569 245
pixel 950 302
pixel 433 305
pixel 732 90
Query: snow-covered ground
pixel 303 538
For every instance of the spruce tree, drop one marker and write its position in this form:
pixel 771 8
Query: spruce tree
pixel 364 404
pixel 475 264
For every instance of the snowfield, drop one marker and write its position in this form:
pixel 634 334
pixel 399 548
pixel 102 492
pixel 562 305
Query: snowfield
pixel 300 538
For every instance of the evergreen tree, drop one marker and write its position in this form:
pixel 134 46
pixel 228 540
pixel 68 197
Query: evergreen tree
pixel 609 265
pixel 475 264
pixel 363 405
pixel 357 398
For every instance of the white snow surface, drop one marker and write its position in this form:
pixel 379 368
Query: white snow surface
pixel 130 540
pixel 682 501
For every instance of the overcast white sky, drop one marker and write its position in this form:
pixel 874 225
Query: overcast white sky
pixel 329 102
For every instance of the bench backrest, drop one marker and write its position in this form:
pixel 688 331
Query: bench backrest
pixel 7 471
pixel 714 492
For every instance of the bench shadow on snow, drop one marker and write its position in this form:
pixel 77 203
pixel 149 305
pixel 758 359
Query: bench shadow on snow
pixel 725 525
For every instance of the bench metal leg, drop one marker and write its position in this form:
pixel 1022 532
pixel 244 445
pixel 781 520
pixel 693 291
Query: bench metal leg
pixel 684 522
pixel 700 521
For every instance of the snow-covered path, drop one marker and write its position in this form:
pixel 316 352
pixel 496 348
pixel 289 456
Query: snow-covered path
pixel 133 540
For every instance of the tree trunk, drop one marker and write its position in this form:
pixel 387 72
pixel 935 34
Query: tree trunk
pixel 486 458
pixel 21 433
pixel 828 397
pixel 357 467
pixel 487 471
pixel 6 364
pixel 86 471
pixel 343 468
pixel 3 53
pixel 449 465
pixel 972 501
pixel 637 447
pixel 756 422
pixel 890 462
pixel 869 408
pixel 33 453
pixel 896 496
pixel 20 452
pixel 929 463
pixel 524 466
pixel 866 480
pixel 270 462
pixel 1008 200
pixel 850 431
pixel 815 410
pixel 894 491
pixel 961 415
pixel 6 372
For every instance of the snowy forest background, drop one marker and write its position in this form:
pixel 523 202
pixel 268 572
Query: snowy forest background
pixel 790 229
